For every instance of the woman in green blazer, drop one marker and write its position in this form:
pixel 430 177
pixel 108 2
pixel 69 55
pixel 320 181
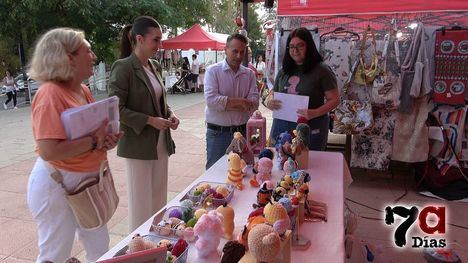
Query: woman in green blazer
pixel 145 119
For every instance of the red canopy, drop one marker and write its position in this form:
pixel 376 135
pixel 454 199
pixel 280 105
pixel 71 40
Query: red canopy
pixel 347 7
pixel 195 38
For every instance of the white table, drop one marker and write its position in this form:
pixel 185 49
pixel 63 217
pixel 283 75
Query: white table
pixel 330 177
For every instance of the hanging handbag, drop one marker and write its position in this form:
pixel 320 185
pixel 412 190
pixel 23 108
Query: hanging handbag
pixel 94 200
pixel 366 74
pixel 436 175
pixel 351 116
pixel 386 87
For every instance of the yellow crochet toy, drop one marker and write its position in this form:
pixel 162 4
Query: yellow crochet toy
pixel 277 216
pixel 234 175
pixel 228 219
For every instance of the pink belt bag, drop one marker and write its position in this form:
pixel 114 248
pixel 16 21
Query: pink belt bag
pixel 94 200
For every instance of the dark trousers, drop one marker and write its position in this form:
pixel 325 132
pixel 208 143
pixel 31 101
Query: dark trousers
pixel 11 95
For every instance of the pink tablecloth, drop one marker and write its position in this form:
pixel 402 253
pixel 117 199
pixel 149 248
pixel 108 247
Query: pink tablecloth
pixel 330 179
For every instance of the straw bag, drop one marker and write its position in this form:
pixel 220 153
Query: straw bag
pixel 366 74
pixel 94 200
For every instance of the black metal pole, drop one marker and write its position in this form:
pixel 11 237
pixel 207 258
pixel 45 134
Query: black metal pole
pixel 245 12
pixel 23 66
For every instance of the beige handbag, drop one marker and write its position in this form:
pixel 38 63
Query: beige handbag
pixel 94 200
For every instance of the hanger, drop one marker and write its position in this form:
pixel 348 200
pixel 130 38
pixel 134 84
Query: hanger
pixel 340 30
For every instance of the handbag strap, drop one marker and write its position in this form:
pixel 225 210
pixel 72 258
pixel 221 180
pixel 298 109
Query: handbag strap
pixel 57 176
pixel 102 170
pixel 348 81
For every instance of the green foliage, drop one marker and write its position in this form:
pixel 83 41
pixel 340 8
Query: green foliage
pixel 102 21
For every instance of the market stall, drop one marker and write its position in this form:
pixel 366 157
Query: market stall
pixel 330 177
pixel 384 40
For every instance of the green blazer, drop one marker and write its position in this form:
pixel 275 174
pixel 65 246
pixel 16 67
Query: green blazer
pixel 137 102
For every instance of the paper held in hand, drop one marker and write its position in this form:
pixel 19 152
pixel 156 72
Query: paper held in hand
pixel 83 120
pixel 290 103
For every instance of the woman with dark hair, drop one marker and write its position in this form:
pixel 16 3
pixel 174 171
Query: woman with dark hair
pixel 185 71
pixel 10 84
pixel 145 119
pixel 304 73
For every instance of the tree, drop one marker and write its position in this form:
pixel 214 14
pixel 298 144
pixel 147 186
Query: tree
pixel 228 10
pixel 102 20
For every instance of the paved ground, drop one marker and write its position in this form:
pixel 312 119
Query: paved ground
pixel 18 231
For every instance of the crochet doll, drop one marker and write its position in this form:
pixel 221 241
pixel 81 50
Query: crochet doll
pixel 264 167
pixel 235 176
pixel 209 229
pixel 264 243
pixel 239 145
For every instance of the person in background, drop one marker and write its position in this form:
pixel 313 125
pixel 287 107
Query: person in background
pixel 305 73
pixel 260 66
pixel 145 119
pixel 186 72
pixel 62 60
pixel 195 70
pixel 231 96
pixel 249 58
pixel 10 84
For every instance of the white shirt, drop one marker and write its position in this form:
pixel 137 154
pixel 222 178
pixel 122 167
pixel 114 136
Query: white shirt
pixel 195 67
pixel 261 67
pixel 221 83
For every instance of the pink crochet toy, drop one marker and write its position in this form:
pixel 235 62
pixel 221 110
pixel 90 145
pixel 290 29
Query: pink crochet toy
pixel 264 169
pixel 209 229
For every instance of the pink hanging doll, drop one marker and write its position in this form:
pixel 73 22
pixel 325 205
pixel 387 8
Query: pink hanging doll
pixel 209 229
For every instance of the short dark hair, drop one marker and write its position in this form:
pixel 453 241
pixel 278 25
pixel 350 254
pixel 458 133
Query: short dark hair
pixel 194 56
pixel 237 36
pixel 312 57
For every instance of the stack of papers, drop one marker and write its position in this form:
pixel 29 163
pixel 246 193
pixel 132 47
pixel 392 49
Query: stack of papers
pixel 82 121
pixel 290 103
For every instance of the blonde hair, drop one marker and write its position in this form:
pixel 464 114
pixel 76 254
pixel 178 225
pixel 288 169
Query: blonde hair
pixel 50 58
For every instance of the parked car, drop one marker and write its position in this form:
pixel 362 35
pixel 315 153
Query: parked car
pixel 33 85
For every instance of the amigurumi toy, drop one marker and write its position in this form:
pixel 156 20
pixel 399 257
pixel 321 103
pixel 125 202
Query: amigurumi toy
pixel 264 167
pixel 235 176
pixel 240 146
pixel 209 229
pixel 233 251
pixel 264 243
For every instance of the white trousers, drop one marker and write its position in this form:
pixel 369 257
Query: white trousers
pixel 147 185
pixel 56 224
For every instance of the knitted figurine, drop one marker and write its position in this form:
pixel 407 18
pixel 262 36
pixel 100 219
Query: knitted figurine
pixel 233 251
pixel 277 216
pixel 264 243
pixel 235 171
pixel 300 147
pixel 264 169
pixel 289 166
pixel 266 153
pixel 228 220
pixel 239 145
pixel 263 196
pixel 209 229
pixel 284 153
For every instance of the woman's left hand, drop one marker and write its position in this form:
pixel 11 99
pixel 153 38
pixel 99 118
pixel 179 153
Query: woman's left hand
pixel 174 122
pixel 111 140
pixel 308 113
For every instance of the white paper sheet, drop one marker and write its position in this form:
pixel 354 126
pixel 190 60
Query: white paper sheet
pixel 290 103
pixel 81 121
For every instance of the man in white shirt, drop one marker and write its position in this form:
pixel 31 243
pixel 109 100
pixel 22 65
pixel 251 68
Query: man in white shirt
pixel 195 70
pixel 231 96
